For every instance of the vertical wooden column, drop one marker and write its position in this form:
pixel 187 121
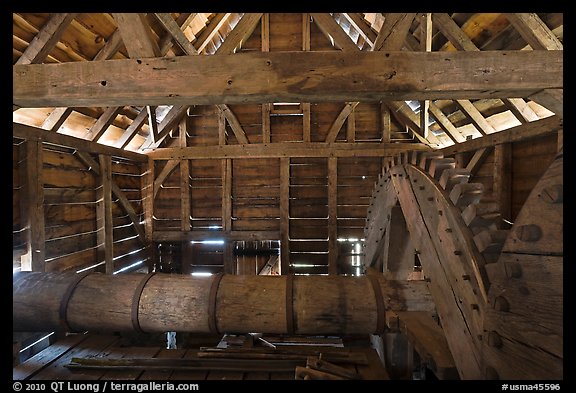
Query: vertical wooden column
pixel 503 179
pixel 185 205
pixel 385 122
pixel 285 215
pixel 425 46
pixel 104 225
pixel 222 137
pixel 32 212
pixel 148 208
pixel 332 215
pixel 305 105
pixel 266 107
pixel 229 261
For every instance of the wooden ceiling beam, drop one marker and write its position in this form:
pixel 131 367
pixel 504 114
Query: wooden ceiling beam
pixel 334 32
pixel 46 39
pixel 362 26
pixel 534 31
pixel 175 31
pixel 211 30
pixel 522 132
pixel 285 149
pixel 26 132
pixel 393 31
pixel 450 29
pixel 56 118
pixel 288 77
pixel 137 35
pixel 132 130
pixel 240 33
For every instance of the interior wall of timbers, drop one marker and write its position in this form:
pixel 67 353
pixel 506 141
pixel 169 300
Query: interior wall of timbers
pixel 299 175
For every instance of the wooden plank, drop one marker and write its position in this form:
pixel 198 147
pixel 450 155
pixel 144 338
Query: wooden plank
pixel 33 133
pixel 450 29
pixel 475 117
pixel 521 109
pixel 131 131
pixel 240 33
pixel 124 202
pixel 234 123
pixel 393 31
pixel 92 345
pixel 137 35
pixel 198 235
pixel 334 32
pixel 112 46
pixel 162 375
pixel 185 205
pixel 57 117
pixel 175 31
pixel 534 31
pixel 286 150
pixel 170 121
pixel 478 159
pixel 250 78
pixel 552 99
pixel 42 359
pixel 514 134
pixel 133 352
pixel 445 123
pixel 182 21
pixel 211 30
pixel 104 121
pixel 362 27
pixel 46 39
pixel 429 341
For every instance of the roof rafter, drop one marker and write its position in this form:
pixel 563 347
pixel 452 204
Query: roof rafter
pixel 46 39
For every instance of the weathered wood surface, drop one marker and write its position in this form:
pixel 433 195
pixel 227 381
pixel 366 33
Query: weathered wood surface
pixel 352 311
pixel 524 326
pixel 429 341
pixel 288 76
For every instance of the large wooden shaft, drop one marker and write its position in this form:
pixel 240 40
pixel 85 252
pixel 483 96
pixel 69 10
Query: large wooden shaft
pixel 217 304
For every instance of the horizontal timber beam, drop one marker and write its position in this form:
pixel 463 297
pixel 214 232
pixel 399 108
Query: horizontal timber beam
pixel 261 77
pixel 27 132
pixel 177 236
pixel 285 149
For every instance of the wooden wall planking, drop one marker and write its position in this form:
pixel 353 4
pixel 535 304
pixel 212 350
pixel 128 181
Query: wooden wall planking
pixel 530 159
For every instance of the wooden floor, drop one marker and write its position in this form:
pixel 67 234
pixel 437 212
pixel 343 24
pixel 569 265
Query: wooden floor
pixel 106 357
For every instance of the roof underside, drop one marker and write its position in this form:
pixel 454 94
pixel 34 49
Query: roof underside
pixel 139 125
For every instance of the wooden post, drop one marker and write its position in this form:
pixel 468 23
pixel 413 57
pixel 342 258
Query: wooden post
pixel 104 215
pixel 148 208
pixel 503 179
pixel 385 122
pixel 33 208
pixel 332 215
pixel 229 260
pixel 285 215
